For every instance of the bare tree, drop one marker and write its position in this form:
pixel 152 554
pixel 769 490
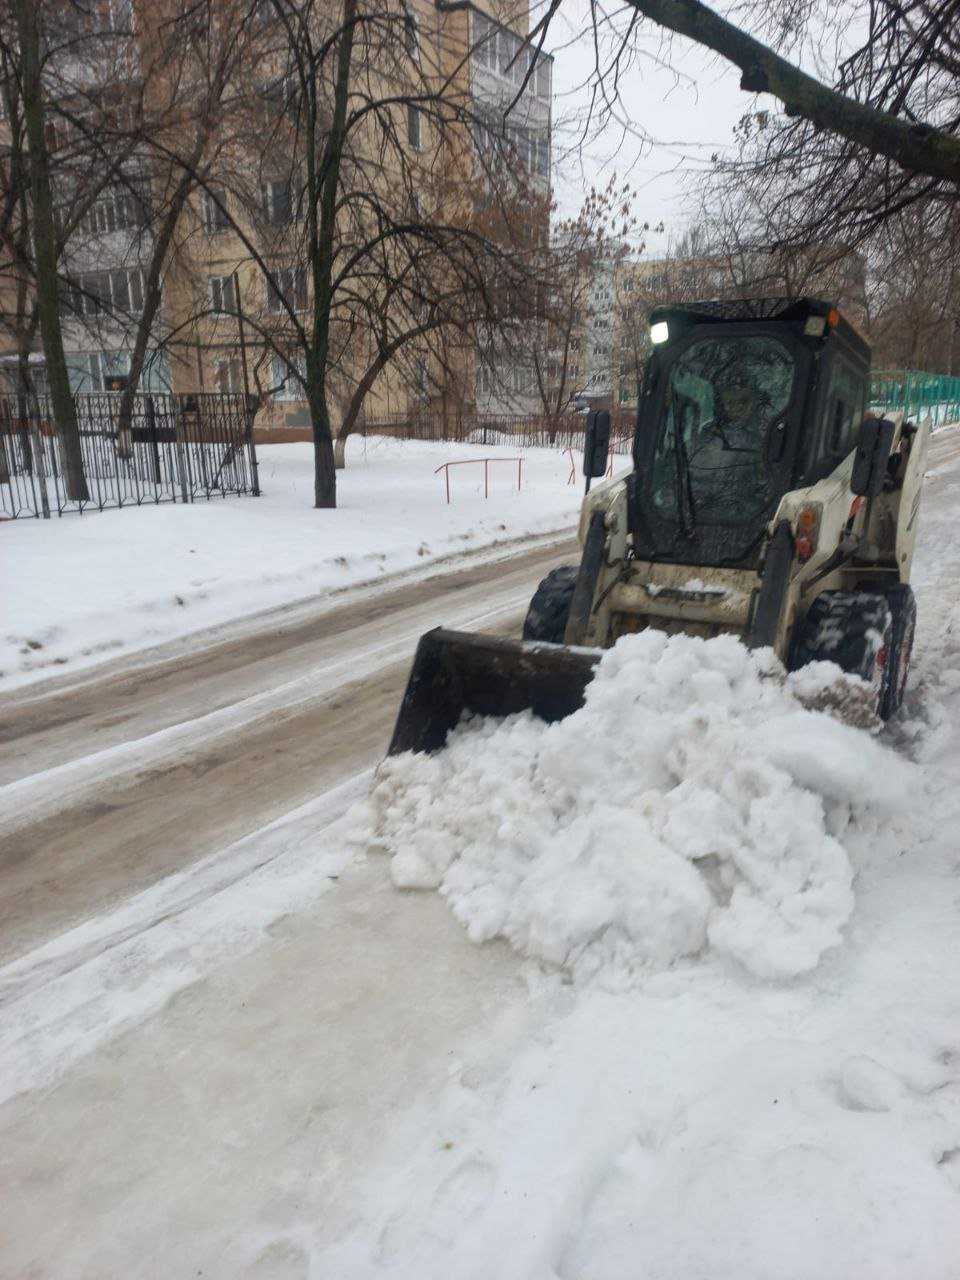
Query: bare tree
pixel 360 226
pixel 895 98
pixel 33 163
pixel 914 305
pixel 692 269
pixel 573 274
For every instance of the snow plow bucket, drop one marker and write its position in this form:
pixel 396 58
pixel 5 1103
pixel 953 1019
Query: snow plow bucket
pixel 456 671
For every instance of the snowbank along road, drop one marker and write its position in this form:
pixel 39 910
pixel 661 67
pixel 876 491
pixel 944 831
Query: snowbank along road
pixel 720 1042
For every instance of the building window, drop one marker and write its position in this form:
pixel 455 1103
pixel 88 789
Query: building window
pixel 288 285
pixel 156 373
pixel 278 202
pixel 415 127
pixel 215 217
pixel 411 34
pixel 532 148
pixel 541 83
pixel 486 378
pixel 282 96
pixel 107 17
pixel 485 137
pixel 484 41
pixel 97 291
pixel 93 370
pixel 90 370
pixel 289 382
pixel 502 51
pixel 228 375
pixel 223 294
pixel 509 60
pixel 114 210
pixel 87 372
pixel 520 379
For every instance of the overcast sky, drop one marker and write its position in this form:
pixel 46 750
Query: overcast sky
pixel 671 119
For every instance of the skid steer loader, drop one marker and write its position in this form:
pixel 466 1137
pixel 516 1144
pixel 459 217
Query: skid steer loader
pixel 764 500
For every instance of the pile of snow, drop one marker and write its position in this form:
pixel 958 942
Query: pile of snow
pixel 693 802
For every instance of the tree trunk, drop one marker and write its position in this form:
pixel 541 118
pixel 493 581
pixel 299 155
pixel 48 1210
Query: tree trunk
pixel 348 423
pixel 45 254
pixel 916 147
pixel 322 235
pixel 324 466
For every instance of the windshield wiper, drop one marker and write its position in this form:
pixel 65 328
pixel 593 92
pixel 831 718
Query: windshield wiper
pixel 686 512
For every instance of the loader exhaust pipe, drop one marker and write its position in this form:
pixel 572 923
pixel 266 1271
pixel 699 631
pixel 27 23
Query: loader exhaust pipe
pixel 456 672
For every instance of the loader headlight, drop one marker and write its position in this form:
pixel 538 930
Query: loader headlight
pixel 659 332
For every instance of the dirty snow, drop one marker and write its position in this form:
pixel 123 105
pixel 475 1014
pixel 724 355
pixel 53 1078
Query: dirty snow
pixel 693 802
pixel 85 589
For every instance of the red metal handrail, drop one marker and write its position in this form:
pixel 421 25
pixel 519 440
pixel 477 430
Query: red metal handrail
pixel 467 462
pixel 572 477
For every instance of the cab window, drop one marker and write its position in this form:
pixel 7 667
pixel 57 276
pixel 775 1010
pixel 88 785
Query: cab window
pixel 724 398
pixel 843 412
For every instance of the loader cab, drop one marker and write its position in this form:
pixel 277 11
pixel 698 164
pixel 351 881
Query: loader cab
pixel 840 398
pixel 741 402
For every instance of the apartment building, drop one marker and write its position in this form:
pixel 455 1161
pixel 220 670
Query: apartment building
pixel 94 87
pixel 511 89
pixel 246 250
pixel 237 305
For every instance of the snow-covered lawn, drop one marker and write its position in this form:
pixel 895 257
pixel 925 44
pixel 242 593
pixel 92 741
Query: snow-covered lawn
pixel 82 588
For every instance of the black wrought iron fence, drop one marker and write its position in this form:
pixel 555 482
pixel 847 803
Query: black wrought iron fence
pixel 526 431
pixel 173 448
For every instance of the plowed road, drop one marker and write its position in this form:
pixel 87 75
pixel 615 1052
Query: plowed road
pixel 116 778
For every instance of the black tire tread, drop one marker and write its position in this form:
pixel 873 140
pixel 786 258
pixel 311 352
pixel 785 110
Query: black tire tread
pixel 903 612
pixel 841 627
pixel 549 609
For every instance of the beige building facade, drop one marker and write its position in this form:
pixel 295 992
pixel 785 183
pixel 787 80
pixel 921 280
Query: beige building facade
pixel 237 290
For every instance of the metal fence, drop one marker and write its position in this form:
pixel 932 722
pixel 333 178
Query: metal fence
pixel 518 431
pixel 175 448
pixel 917 394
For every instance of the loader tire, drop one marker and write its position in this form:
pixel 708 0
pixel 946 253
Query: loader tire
pixel 550 607
pixel 854 629
pixel 903 611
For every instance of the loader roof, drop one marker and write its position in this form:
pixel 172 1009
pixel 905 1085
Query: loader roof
pixel 738 310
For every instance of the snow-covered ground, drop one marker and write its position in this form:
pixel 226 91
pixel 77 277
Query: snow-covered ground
pixel 757 1071
pixel 82 589
pixel 720 1040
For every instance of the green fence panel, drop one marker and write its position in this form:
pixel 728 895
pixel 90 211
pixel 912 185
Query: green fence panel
pixel 917 394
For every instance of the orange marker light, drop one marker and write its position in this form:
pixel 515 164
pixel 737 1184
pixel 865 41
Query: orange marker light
pixel 807 529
